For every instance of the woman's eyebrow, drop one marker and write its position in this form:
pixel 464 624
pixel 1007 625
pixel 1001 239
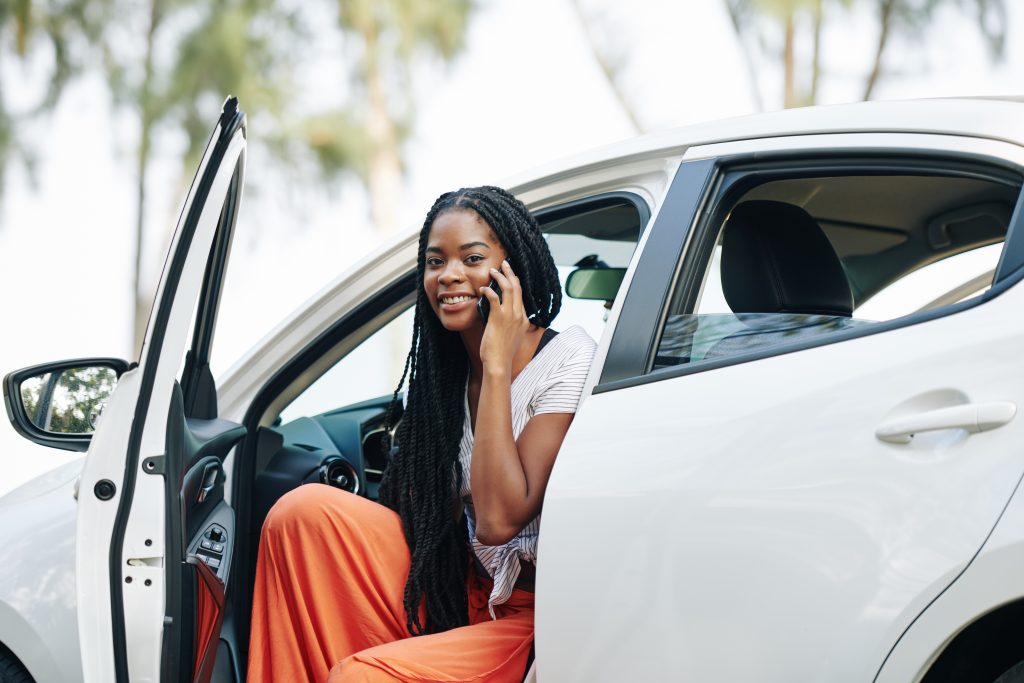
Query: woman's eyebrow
pixel 464 247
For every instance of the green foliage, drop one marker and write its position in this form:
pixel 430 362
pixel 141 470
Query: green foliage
pixel 238 47
pixel 391 35
pixel 61 35
pixel 338 142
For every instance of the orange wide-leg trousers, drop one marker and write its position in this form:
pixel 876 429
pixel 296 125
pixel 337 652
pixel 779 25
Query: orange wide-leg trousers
pixel 328 606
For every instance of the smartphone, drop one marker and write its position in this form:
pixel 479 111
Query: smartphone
pixel 483 304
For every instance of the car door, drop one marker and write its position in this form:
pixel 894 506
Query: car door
pixel 154 534
pixel 781 513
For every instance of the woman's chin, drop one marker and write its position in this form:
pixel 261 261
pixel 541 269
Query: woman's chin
pixel 462 321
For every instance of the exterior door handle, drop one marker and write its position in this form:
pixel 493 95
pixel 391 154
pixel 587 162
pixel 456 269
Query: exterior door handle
pixel 973 417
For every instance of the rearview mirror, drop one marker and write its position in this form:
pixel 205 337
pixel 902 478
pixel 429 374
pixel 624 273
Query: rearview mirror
pixel 59 404
pixel 594 283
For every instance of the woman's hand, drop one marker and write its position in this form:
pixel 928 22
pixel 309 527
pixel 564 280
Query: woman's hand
pixel 507 323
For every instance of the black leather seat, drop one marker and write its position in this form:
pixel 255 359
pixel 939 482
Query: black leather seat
pixel 776 259
pixel 780 276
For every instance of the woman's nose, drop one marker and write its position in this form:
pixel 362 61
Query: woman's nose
pixel 452 273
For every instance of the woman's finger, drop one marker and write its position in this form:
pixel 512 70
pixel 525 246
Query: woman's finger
pixel 516 295
pixel 506 268
pixel 491 296
pixel 503 281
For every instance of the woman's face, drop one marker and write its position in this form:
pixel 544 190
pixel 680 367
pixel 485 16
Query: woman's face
pixel 461 250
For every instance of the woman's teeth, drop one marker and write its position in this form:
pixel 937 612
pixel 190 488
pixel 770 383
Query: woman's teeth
pixel 454 299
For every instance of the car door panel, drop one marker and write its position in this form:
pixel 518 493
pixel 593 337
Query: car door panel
pixel 127 603
pixel 781 540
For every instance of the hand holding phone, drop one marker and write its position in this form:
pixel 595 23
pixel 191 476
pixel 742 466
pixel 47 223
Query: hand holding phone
pixel 483 304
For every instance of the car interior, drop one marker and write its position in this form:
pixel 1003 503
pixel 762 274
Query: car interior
pixel 797 258
pixel 302 429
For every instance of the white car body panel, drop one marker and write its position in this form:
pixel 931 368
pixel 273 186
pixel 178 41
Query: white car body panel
pixel 993 578
pixel 143 604
pixel 751 509
pixel 37 586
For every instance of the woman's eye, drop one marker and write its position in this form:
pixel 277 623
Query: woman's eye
pixel 433 262
pixel 475 258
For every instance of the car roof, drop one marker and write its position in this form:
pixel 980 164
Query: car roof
pixel 994 118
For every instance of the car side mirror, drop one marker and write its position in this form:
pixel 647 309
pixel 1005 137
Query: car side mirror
pixel 59 404
pixel 594 283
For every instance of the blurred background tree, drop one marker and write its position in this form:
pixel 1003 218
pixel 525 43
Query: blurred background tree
pixel 385 39
pixel 53 39
pixel 169 63
pixel 192 54
pixel 770 32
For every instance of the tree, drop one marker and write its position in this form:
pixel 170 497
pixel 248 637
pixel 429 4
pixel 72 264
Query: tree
pixel 759 23
pixel 240 47
pixel 366 135
pixel 911 17
pixel 609 60
pixel 58 36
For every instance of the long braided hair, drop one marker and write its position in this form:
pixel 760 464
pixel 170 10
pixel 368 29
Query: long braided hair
pixel 423 479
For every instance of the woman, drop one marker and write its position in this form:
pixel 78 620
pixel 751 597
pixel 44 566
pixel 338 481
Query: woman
pixel 337 589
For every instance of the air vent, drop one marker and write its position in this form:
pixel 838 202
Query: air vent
pixel 339 473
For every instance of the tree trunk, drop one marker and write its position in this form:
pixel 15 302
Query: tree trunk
pixel 748 55
pixel 385 172
pixel 608 70
pixel 789 66
pixel 142 298
pixel 885 24
pixel 812 96
pixel 385 166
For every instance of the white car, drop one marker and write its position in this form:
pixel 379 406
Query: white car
pixel 797 456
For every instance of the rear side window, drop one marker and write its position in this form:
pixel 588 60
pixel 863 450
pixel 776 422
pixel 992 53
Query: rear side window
pixel 796 259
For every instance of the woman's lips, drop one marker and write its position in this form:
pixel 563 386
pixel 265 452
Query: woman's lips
pixel 460 302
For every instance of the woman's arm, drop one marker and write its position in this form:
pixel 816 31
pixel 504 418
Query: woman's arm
pixel 508 476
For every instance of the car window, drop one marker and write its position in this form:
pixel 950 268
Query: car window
pixel 371 369
pixel 799 259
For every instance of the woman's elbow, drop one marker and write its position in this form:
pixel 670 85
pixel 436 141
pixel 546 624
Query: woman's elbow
pixel 495 534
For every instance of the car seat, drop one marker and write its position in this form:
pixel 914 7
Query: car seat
pixel 781 277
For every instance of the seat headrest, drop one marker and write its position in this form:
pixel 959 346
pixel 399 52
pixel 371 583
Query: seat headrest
pixel 776 259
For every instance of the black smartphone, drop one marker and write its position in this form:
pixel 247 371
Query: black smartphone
pixel 483 304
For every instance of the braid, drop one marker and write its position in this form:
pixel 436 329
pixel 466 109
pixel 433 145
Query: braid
pixel 423 479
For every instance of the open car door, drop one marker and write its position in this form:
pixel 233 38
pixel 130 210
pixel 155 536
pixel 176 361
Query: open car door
pixel 154 534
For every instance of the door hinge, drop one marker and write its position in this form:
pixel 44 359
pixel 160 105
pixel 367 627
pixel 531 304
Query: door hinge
pixel 153 465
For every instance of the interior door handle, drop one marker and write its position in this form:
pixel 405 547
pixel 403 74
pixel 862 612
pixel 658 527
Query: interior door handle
pixel 209 481
pixel 973 417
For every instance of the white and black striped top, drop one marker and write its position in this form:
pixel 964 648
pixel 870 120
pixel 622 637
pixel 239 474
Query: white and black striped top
pixel 550 383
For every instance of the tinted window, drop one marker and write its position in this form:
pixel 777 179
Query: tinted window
pixel 802 258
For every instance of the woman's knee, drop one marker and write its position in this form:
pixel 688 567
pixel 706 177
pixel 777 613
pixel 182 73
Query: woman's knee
pixel 300 506
pixel 314 505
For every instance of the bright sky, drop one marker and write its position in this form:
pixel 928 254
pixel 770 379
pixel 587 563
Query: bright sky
pixel 525 91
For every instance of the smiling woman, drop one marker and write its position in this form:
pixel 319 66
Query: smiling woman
pixel 485 406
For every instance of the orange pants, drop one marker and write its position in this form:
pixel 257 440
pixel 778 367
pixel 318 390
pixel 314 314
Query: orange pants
pixel 328 603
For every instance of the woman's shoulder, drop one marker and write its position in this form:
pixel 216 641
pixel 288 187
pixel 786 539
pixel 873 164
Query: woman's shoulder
pixel 575 338
pixel 570 345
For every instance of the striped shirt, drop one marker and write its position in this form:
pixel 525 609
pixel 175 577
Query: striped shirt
pixel 550 383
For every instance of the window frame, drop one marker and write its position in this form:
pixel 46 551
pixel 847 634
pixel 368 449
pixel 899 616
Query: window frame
pixel 730 176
